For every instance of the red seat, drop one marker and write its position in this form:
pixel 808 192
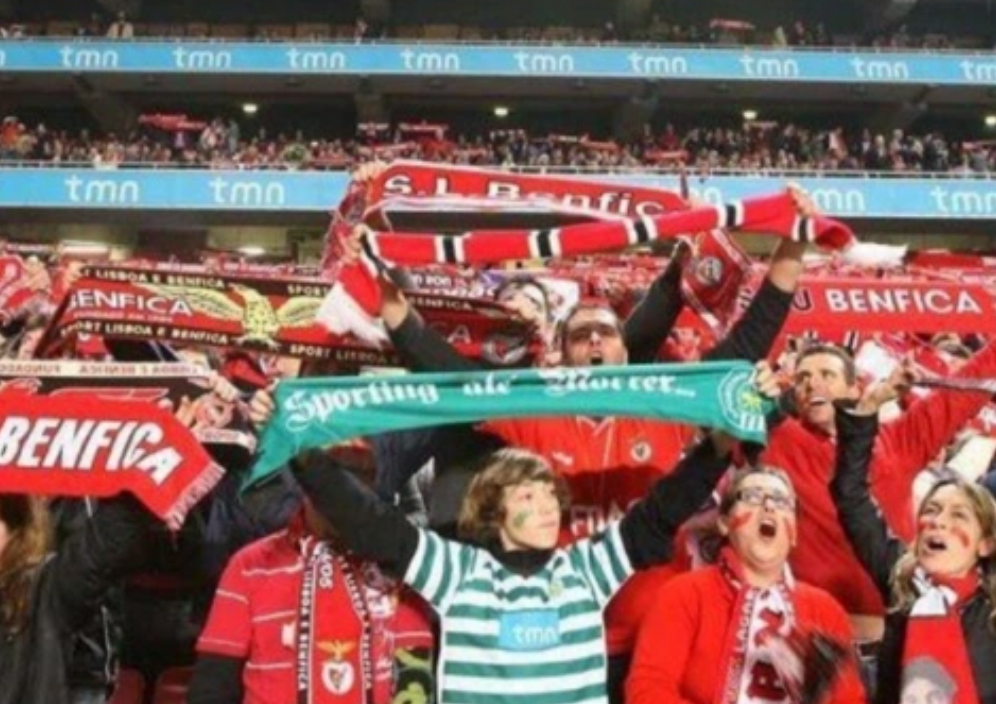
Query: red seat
pixel 172 685
pixel 129 689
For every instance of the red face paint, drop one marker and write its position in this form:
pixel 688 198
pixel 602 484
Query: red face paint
pixel 740 520
pixel 962 536
pixel 790 530
pixel 925 523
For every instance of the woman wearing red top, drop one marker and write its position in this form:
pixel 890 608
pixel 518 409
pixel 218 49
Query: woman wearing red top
pixel 722 634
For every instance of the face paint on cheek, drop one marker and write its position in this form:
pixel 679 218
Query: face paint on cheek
pixel 925 523
pixel 740 520
pixel 519 518
pixel 962 536
pixel 790 529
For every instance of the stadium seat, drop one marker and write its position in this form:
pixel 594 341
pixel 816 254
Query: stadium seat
pixel 130 688
pixel 275 31
pixel 312 30
pixel 230 31
pixel 198 29
pixel 59 28
pixel 172 686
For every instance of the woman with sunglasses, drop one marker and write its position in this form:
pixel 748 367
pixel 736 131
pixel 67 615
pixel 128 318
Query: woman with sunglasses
pixel 940 634
pixel 733 632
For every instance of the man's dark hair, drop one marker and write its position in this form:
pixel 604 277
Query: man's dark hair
pixel 522 281
pixel 850 371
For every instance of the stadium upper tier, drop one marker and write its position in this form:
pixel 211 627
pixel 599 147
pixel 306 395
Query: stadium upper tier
pixel 636 62
pixel 45 191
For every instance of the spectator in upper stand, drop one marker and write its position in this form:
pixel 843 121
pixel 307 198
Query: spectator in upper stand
pixel 778 38
pixel 361 30
pixel 799 35
pixel 121 28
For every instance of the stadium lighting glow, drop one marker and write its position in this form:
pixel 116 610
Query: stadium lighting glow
pixel 250 108
pixel 750 115
pixel 501 111
pixel 252 251
pixel 990 120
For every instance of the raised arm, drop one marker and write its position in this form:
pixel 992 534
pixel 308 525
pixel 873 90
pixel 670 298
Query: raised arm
pixel 649 324
pixel 367 525
pixel 421 348
pixel 754 334
pixel 649 527
pixel 860 518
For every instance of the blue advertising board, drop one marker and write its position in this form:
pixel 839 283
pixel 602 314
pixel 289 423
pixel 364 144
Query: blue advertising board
pixel 275 191
pixel 619 62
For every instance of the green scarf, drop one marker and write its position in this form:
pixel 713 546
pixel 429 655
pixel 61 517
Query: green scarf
pixel 319 412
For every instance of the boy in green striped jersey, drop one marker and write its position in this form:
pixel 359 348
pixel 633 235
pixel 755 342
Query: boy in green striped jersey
pixel 520 618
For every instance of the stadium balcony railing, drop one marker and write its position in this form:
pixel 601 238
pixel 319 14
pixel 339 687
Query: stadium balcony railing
pixel 316 32
pixel 690 172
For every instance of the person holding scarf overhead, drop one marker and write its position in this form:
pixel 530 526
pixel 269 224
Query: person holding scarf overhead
pixel 520 619
pixel 743 630
pixel 940 632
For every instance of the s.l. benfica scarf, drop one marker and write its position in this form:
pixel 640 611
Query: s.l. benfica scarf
pixel 637 220
pixel 352 625
pixel 935 656
pixel 760 616
pixel 79 446
pixel 768 657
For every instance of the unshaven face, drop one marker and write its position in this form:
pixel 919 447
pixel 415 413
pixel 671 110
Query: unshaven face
pixel 593 337
pixel 761 527
pixel 949 538
pixel 532 516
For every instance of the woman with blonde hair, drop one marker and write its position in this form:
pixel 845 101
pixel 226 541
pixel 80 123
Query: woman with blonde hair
pixel 45 598
pixel 743 630
pixel 940 636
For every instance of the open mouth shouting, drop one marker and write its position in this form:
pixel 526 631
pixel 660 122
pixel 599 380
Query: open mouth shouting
pixel 933 545
pixel 768 528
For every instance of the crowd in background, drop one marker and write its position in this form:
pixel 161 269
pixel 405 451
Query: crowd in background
pixel 753 147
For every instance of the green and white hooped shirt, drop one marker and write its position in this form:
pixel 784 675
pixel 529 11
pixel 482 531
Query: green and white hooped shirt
pixel 513 639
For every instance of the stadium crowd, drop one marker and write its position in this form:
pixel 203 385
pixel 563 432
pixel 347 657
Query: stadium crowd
pixel 753 147
pixel 572 558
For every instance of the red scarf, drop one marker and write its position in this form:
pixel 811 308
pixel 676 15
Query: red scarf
pixel 356 633
pixel 935 656
pixel 760 617
pixel 619 217
pixel 79 446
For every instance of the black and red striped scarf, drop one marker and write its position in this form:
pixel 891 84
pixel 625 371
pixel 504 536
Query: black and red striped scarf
pixel 618 217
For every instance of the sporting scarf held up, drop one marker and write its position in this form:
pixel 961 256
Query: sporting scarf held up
pixel 314 413
pixel 935 656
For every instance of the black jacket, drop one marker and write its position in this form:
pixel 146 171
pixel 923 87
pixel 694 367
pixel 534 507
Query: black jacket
pixel 66 591
pixel 879 551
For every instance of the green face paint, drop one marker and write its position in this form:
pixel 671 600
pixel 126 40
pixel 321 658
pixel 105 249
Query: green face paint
pixel 519 518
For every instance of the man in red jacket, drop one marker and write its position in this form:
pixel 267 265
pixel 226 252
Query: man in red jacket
pixel 804 448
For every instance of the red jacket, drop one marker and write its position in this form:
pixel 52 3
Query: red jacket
pixel 608 464
pixel 680 650
pixel 904 447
